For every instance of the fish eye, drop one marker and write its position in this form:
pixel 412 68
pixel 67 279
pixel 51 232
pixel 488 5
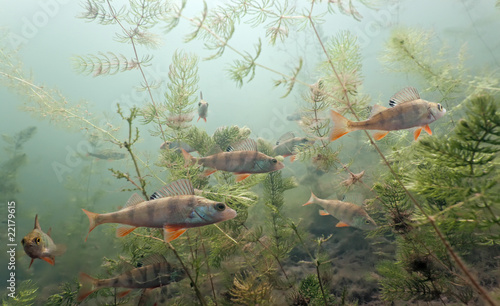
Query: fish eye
pixel 199 103
pixel 274 160
pixel 22 241
pixel 220 206
pixel 367 222
pixel 440 107
pixel 37 240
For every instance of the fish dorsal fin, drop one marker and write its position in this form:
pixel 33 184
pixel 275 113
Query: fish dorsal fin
pixel 49 231
pixel 285 137
pixel 37 224
pixel 134 200
pixel 404 95
pixel 377 109
pixel 179 187
pixel 125 266
pixel 153 259
pixel 245 145
pixel 201 95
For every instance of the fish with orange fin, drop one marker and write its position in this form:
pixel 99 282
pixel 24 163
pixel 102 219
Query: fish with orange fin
pixel 155 272
pixel 202 108
pixel 242 159
pixel 286 144
pixel 407 111
pixel 175 208
pixel 38 244
pixel 348 214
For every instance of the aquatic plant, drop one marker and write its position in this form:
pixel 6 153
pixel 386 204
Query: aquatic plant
pixel 26 294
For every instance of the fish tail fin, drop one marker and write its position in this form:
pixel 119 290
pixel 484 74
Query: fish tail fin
pixel 93 221
pixel 189 160
pixel 88 286
pixel 311 199
pixel 340 125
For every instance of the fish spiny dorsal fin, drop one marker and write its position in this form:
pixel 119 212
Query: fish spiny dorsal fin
pixel 49 231
pixel 179 187
pixel 377 109
pixel 245 145
pixel 134 200
pixel 285 137
pixel 153 259
pixel 37 225
pixel 405 95
pixel 125 266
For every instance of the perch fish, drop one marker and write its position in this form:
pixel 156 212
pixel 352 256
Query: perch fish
pixel 202 108
pixel 348 214
pixel 287 143
pixel 176 145
pixel 243 160
pixel 38 244
pixel 155 272
pixel 107 155
pixel 174 208
pixel 407 111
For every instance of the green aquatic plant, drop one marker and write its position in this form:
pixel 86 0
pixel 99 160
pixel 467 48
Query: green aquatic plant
pixel 67 296
pixel 26 294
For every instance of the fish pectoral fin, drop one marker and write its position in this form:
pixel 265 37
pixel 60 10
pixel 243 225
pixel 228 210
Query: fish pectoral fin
pixel 241 176
pixel 427 128
pixel 50 260
pixel 293 158
pixel 32 259
pixel 342 224
pixel 417 133
pixel 323 212
pixel 124 293
pixel 172 232
pixel 380 134
pixel 123 231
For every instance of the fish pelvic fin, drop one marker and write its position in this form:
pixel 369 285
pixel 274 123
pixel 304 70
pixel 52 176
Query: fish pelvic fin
pixel 342 224
pixel 92 220
pixel 189 160
pixel 32 259
pixel 205 119
pixel 241 176
pixel 172 232
pixel 50 259
pixel 340 125
pixel 427 128
pixel 417 133
pixel 88 286
pixel 311 199
pixel 323 212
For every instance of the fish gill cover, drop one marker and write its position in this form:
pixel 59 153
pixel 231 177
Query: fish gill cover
pixel 436 201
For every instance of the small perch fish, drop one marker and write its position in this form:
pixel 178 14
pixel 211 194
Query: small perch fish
pixel 407 111
pixel 202 108
pixel 287 143
pixel 176 145
pixel 174 208
pixel 38 244
pixel 243 159
pixel 155 272
pixel 348 214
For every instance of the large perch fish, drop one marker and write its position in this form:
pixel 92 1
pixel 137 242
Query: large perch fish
pixel 243 160
pixel 38 244
pixel 174 208
pixel 407 111
pixel 348 214
pixel 155 272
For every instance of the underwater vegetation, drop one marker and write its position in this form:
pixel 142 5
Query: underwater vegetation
pixel 420 220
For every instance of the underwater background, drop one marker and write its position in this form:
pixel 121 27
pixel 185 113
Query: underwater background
pixel 266 68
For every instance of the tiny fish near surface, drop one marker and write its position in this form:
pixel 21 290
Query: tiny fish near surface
pixel 407 111
pixel 174 208
pixel 243 160
pixel 38 244
pixel 202 108
pixel 155 272
pixel 348 214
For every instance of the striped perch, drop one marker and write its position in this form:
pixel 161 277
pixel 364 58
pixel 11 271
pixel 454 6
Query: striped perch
pixel 243 159
pixel 348 214
pixel 174 208
pixel 155 272
pixel 407 111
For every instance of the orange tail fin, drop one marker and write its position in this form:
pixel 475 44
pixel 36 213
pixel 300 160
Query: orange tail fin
pixel 88 286
pixel 92 219
pixel 189 160
pixel 340 125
